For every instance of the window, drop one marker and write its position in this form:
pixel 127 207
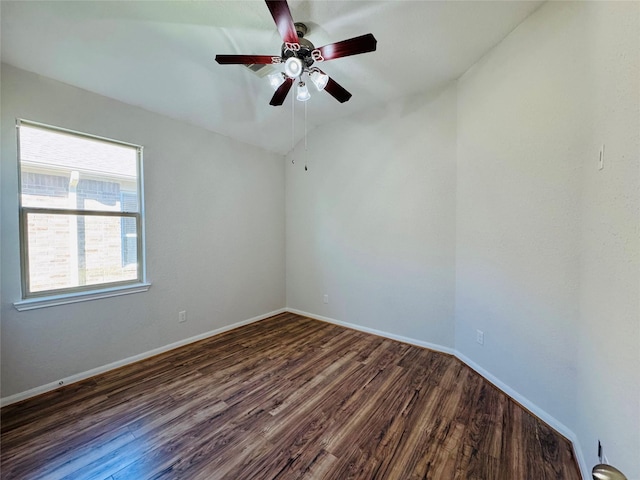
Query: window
pixel 81 223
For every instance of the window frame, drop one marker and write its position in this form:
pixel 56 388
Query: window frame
pixel 59 296
pixel 124 234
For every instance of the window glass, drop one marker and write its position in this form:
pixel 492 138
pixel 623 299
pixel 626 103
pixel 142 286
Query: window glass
pixel 81 223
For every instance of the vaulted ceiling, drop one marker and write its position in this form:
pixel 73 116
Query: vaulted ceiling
pixel 160 55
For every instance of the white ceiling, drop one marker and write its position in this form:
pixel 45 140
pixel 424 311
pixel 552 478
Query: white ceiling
pixel 160 55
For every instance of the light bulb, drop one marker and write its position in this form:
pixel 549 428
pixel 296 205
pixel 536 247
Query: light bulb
pixel 303 92
pixel 293 67
pixel 319 79
pixel 276 79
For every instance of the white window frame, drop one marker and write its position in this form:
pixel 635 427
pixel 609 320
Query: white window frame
pixel 31 300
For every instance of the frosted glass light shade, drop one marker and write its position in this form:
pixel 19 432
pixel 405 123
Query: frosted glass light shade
pixel 276 79
pixel 319 79
pixel 293 67
pixel 303 92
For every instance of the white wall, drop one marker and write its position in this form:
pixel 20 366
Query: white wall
pixel 520 149
pixel 608 356
pixel 215 238
pixel 371 224
pixel 547 245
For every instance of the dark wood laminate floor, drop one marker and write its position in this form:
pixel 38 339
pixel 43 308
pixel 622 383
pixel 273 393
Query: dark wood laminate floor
pixel 284 398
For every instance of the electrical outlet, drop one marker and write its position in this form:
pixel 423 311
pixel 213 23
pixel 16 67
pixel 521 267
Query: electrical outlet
pixel 480 337
pixel 325 298
pixel 182 316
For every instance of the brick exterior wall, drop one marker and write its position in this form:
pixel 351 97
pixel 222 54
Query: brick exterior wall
pixel 52 238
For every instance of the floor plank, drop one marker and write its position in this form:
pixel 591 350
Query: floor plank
pixel 284 398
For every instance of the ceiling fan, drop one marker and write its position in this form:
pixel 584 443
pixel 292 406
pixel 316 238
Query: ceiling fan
pixel 298 56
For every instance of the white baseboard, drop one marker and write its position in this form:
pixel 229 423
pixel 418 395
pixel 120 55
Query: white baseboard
pixel 136 358
pixel 373 331
pixel 582 464
pixel 533 408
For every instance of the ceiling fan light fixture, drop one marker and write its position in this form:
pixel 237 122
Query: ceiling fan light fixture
pixel 293 67
pixel 319 79
pixel 297 55
pixel 276 79
pixel 303 92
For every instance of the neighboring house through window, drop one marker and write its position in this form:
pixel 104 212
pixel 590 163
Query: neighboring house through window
pixel 80 212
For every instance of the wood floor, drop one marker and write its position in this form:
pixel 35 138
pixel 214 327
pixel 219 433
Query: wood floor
pixel 284 398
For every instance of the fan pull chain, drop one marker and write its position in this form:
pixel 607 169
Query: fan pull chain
pixel 305 136
pixel 293 127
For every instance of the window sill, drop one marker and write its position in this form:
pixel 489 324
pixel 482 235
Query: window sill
pixel 53 300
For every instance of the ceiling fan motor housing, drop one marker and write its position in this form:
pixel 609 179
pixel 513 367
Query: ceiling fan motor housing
pixel 306 47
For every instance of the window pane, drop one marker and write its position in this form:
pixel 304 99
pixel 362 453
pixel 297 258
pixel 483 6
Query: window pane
pixel 63 170
pixel 68 183
pixel 67 251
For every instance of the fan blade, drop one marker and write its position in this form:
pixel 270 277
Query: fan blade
pixel 245 59
pixel 281 92
pixel 284 21
pixel 337 91
pixel 353 46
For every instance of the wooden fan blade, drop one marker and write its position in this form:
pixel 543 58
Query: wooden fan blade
pixel 353 46
pixel 284 21
pixel 245 59
pixel 281 92
pixel 337 91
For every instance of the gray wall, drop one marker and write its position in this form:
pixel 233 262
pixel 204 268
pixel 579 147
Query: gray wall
pixel 372 223
pixel 548 245
pixel 521 148
pixel 215 238
pixel 608 353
